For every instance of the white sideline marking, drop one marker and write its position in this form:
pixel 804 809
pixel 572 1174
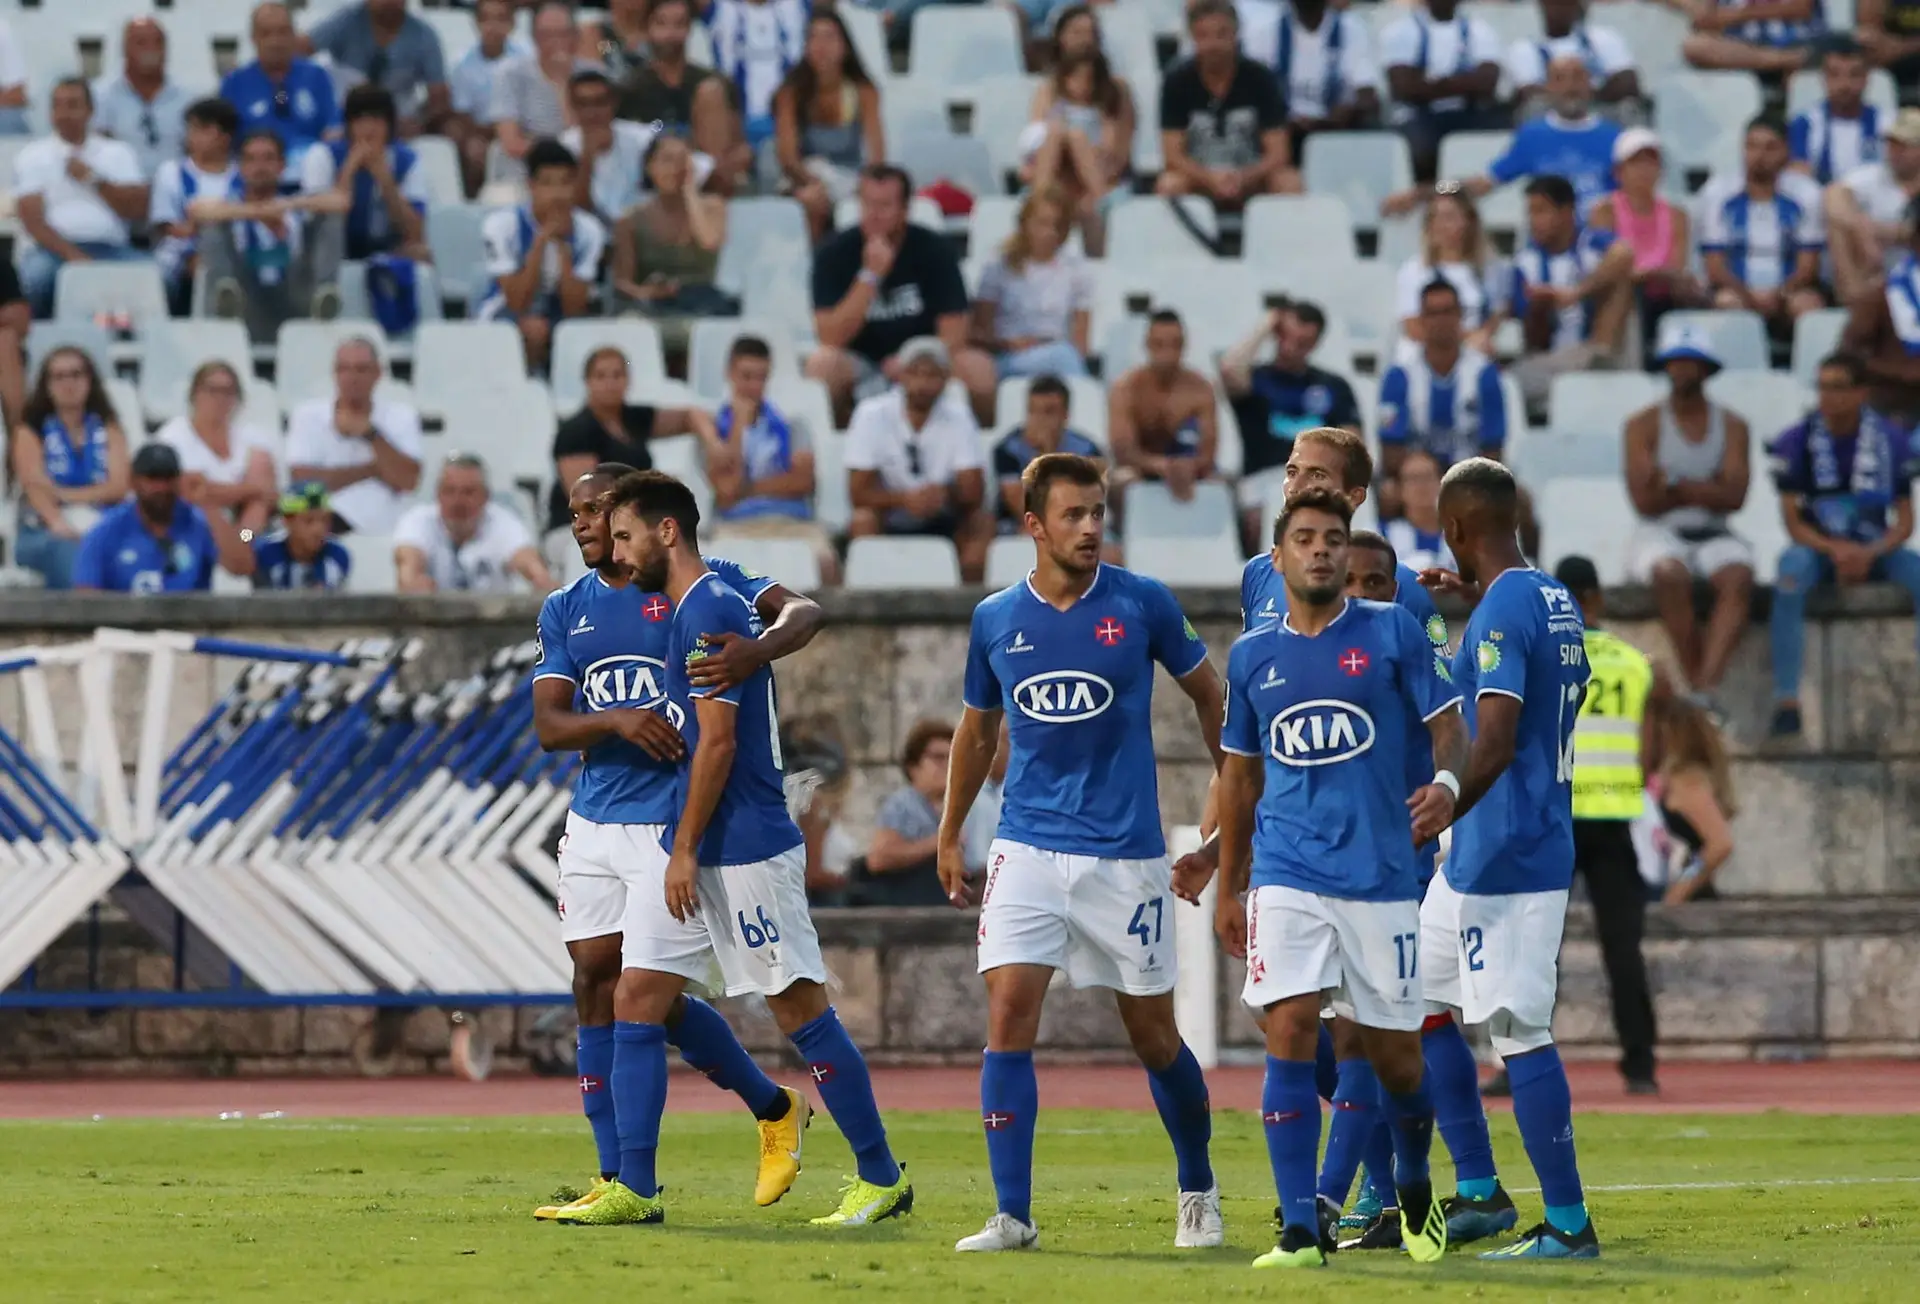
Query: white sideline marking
pixel 1735 1186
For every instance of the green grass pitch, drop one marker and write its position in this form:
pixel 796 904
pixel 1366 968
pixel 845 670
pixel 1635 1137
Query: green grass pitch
pixel 1769 1207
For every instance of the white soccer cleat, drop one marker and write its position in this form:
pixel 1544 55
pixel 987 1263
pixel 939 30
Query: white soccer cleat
pixel 1201 1227
pixel 1006 1232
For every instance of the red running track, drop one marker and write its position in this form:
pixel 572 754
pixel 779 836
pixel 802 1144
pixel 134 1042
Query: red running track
pixel 1824 1087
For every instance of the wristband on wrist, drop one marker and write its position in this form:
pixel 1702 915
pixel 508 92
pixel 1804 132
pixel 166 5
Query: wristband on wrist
pixel 1446 779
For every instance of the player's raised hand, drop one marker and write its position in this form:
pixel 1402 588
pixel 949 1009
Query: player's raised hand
pixel 1436 579
pixel 1230 925
pixel 730 659
pixel 682 870
pixel 952 863
pixel 1432 808
pixel 1191 874
pixel 650 732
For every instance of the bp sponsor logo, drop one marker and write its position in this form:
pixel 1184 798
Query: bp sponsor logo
pixel 1487 656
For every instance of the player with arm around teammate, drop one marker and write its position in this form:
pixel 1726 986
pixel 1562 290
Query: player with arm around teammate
pixel 732 888
pixel 599 689
pixel 1319 708
pixel 1078 877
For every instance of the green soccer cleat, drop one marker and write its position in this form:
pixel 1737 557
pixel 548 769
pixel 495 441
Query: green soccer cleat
pixel 1423 1223
pixel 1365 1210
pixel 551 1212
pixel 862 1203
pixel 1298 1248
pixel 618 1206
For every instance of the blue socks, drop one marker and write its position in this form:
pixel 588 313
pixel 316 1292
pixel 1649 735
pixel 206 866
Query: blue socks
pixel 1326 1069
pixel 840 1075
pixel 708 1044
pixel 1356 1109
pixel 1290 1109
pixel 1380 1164
pixel 593 1061
pixel 1453 1081
pixel 1009 1100
pixel 639 1098
pixel 1411 1113
pixel 1180 1094
pixel 1543 1107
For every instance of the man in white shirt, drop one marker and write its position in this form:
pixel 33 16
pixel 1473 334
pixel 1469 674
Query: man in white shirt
pixel 1323 57
pixel 366 451
pixel 1443 71
pixel 1565 31
pixel 464 542
pixel 914 460
pixel 76 192
pixel 141 107
pixel 1866 210
pixel 612 151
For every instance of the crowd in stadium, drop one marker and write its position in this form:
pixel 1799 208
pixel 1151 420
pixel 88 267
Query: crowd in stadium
pixel 351 311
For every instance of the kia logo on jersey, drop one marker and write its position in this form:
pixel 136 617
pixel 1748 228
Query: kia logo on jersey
pixel 1320 732
pixel 1063 696
pixel 624 681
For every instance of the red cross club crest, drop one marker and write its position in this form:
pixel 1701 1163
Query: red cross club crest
pixel 656 608
pixel 1353 661
pixel 1109 631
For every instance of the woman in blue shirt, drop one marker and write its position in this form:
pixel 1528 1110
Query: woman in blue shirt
pixel 68 451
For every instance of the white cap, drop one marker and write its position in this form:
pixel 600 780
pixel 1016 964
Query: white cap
pixel 1635 140
pixel 1682 339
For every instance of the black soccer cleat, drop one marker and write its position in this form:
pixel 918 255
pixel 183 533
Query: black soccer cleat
pixel 1475 1220
pixel 1383 1233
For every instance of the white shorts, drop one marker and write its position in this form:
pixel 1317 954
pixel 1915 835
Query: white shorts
pixel 592 893
pixel 752 932
pixel 1365 953
pixel 1104 923
pixel 1509 953
pixel 1653 543
pixel 1440 945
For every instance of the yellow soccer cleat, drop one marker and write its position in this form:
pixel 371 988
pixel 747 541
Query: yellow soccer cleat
pixel 1298 1248
pixel 549 1212
pixel 862 1203
pixel 616 1206
pixel 1423 1223
pixel 780 1149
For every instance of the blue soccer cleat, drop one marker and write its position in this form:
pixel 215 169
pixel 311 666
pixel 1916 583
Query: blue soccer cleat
pixel 1546 1241
pixel 1470 1220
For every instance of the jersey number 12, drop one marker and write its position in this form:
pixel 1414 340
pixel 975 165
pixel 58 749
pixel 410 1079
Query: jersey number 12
pixel 1563 766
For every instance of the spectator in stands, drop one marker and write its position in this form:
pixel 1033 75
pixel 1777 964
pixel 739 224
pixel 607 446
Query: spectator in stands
pixel 666 252
pixel 827 123
pixel 1163 417
pixel 754 43
pixel 16 320
pixel 618 38
pixel 375 178
pixel 156 541
pixel 75 192
pixel 1866 210
pixel 226 462
pixel 530 94
pixel 1446 399
pixel 1842 132
pixel 1570 140
pixel 302 554
pixel 68 450
pixel 914 464
pixel 607 428
pixel 684 97
pixel 1889 30
pixel 1564 29
pixel 544 255
pixel 1694 787
pixel 1223 119
pixel 13 84
pixel 463 541
pixel 365 449
pixel 208 168
pixel 1687 468
pixel 1049 403
pixel 292 97
pixel 612 151
pixel 1415 533
pixel 141 107
pixel 1036 296
pixel 1453 247
pixel 881 284
pixel 390 48
pixel 1725 37
pixel 1322 55
pixel 1274 401
pixel 1845 479
pixel 1761 234
pixel 759 461
pixel 900 856
pixel 1572 291
pixel 269 258
pixel 1443 72
pixel 471 86
pixel 1657 230
pixel 1080 140
pixel 1883 331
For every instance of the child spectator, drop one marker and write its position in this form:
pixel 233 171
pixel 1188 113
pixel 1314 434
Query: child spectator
pixel 302 554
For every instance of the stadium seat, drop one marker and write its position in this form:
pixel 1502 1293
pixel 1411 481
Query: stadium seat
pixel 453 235
pixel 1188 563
pixel 1547 455
pixel 1143 232
pixel 1654 32
pixel 992 221
pixel 452 359
pixel 1815 336
pixel 1001 107
pixel 575 340
pixel 909 105
pixel 921 211
pixel 1599 402
pixel 1009 560
pixel 305 349
pixel 1357 297
pixel 831 506
pixel 454 27
pixel 1769 400
pixel 1806 90
pixel 679 456
pixel 793 561
pixel 84 291
pixel 1284 232
pixel 869 34
pixel 957 45
pixel 1739 337
pixel 714 336
pixel 372 569
pixel 126 404
pixel 175 349
pixel 807 402
pixel 902 563
pixel 783 300
pixel 1510 22
pixel 439 162
pixel 935 156
pixel 758 231
pixel 356 304
pixel 1589 516
pixel 1086 406
pixel 1153 515
pixel 1702 116
pixel 511 427
pixel 1469 154
pixel 1760 523
pixel 1359 168
pixel 43 337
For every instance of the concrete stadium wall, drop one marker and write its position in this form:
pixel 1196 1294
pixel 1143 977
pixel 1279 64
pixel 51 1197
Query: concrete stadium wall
pixel 1798 966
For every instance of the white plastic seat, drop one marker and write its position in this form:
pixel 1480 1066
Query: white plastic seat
pixel 832 505
pixel 1588 516
pixel 1126 35
pixel 1153 514
pixel 1702 115
pixel 911 104
pixel 175 349
pixel 791 561
pixel 439 164
pixel 1359 168
pixel 680 457
pixel 1000 109
pixel 1769 400
pixel 1550 455
pixel 1466 154
pixel 1289 231
pixel 511 427
pixel 921 211
pixel 712 339
pixel 1760 523
pixel 43 337
pixel 1188 563
pixel 574 340
pixel 453 359
pixel 1357 297
pixel 356 301
pixel 1739 336
pixel 459 256
pixel 963 160
pixel 1599 402
pixel 1009 559
pixel 1086 406
pixel 955 45
pixel 1142 231
pixel 82 291
pixel 869 35
pixel 808 403
pixel 371 568
pixel 1815 335
pixel 903 563
pixel 305 350
pixel 126 403
pixel 760 232
pixel 1654 32
pixel 1510 22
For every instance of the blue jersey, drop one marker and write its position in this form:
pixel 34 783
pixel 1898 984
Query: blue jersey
pixel 751 823
pixel 1263 599
pixel 611 645
pixel 1077 687
pixel 1524 640
pixel 1333 715
pixel 275 568
pixel 121 555
pixel 299 109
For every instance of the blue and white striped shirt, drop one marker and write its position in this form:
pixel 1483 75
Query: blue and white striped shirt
pixel 1455 415
pixel 1761 238
pixel 1534 266
pixel 1831 146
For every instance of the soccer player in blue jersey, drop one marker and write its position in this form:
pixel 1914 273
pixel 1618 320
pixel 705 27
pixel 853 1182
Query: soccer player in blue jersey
pixel 1491 924
pixel 599 688
pixel 1078 877
pixel 1316 820
pixel 732 871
